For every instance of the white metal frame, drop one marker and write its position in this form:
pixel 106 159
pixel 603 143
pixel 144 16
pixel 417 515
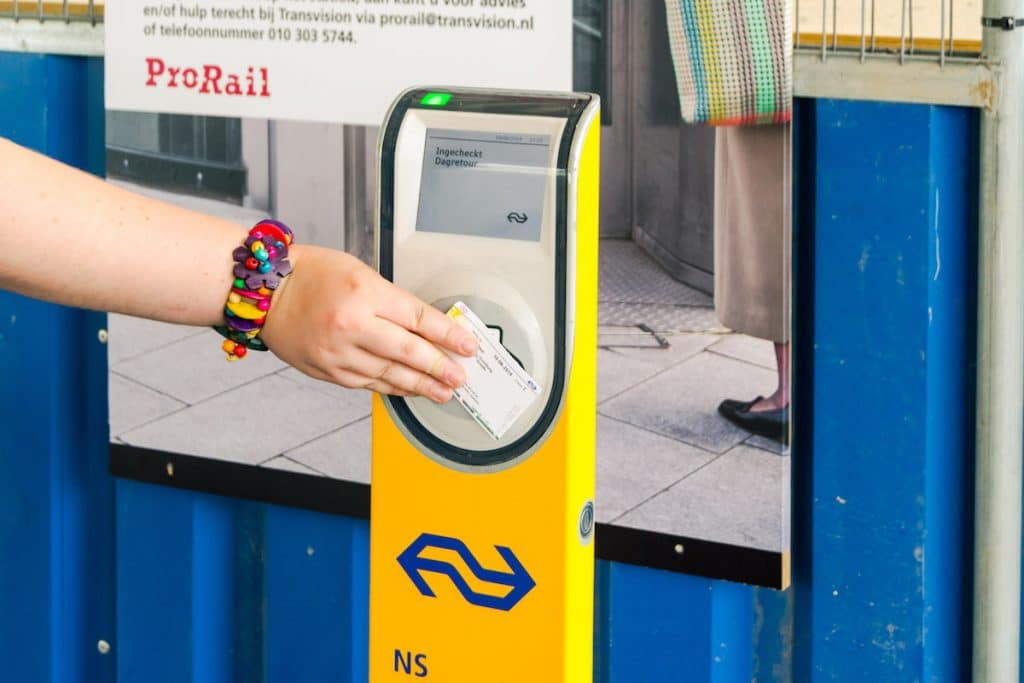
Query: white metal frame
pixel 1000 392
pixel 52 36
pixel 845 76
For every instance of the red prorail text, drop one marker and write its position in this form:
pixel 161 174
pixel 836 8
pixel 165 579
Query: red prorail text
pixel 208 79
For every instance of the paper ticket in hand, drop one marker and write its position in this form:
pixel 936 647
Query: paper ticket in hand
pixel 497 390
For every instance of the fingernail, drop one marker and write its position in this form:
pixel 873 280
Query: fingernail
pixel 441 395
pixel 469 346
pixel 453 378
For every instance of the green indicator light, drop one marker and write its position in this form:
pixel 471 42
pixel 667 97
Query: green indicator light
pixel 435 99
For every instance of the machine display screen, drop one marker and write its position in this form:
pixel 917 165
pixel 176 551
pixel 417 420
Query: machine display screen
pixel 484 184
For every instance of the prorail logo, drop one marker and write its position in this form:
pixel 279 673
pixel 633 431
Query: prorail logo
pixel 208 79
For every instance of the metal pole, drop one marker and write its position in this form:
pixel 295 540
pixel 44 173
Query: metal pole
pixel 903 31
pixel 824 29
pixel 942 40
pixel 835 25
pixel 863 30
pixel 997 554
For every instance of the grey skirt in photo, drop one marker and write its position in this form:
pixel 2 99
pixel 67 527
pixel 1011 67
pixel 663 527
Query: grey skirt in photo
pixel 753 229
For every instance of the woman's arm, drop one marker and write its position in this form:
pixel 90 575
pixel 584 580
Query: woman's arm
pixel 70 238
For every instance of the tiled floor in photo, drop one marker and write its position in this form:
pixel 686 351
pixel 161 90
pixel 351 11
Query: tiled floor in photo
pixel 666 460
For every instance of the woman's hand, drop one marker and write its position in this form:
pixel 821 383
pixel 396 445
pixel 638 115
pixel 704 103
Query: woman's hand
pixel 336 319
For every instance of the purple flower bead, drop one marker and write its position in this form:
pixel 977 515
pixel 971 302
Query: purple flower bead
pixel 242 325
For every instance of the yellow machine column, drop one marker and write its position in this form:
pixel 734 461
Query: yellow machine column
pixel 481 548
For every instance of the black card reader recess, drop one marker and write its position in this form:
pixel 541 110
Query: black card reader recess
pixel 501 340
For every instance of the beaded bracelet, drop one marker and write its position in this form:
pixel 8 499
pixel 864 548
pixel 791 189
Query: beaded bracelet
pixel 260 265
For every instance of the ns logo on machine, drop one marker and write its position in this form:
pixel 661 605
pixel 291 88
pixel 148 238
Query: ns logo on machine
pixel 517 579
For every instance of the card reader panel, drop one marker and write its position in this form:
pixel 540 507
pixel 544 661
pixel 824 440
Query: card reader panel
pixel 463 242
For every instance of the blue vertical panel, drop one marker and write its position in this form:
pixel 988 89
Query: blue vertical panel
pixel 359 611
pixel 248 592
pixel 218 590
pixel 314 634
pixel 191 590
pixel 213 595
pixel 949 484
pixel 56 500
pixel 772 635
pixel 657 626
pixel 154 583
pixel 801 646
pixel 227 581
pixel 602 622
pixel 732 632
pixel 883 590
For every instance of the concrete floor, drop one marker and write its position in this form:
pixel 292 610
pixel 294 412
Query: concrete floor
pixel 666 461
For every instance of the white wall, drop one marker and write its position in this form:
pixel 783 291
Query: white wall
pixel 306 180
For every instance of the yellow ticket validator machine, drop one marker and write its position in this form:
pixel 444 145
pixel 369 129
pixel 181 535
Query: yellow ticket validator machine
pixel 481 549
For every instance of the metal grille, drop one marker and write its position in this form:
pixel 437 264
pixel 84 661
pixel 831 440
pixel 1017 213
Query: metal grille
pixel 65 27
pixel 901 30
pixel 68 11
pixel 914 51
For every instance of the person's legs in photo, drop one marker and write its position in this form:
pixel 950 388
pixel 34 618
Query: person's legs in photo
pixel 752 260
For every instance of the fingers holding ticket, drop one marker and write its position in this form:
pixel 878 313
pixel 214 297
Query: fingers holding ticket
pixel 497 390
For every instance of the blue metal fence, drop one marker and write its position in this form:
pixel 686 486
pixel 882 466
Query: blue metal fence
pixel 883 496
pixel 186 586
pixel 56 500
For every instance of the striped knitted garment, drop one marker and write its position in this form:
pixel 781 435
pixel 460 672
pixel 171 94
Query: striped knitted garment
pixel 733 60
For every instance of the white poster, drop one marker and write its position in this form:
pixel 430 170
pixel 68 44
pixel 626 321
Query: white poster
pixel 341 61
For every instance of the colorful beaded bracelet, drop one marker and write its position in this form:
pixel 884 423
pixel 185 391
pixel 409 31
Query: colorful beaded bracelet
pixel 260 265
